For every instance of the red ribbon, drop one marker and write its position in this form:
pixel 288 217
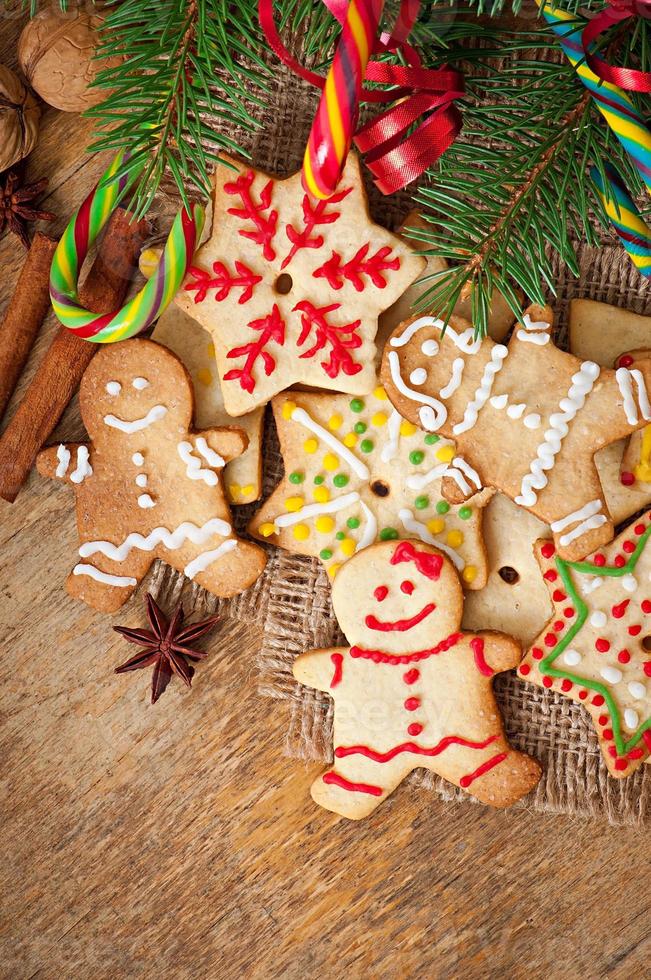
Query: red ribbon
pixel 393 155
pixel 627 78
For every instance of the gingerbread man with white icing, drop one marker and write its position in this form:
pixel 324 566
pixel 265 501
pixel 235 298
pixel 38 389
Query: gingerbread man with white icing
pixel 527 419
pixel 411 690
pixel 147 486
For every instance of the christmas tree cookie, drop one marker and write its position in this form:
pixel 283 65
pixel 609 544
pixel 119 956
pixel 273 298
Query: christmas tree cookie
pixel 527 418
pixel 291 288
pixel 356 472
pixel 597 648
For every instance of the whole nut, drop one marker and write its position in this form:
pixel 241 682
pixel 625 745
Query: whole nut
pixel 55 52
pixel 19 115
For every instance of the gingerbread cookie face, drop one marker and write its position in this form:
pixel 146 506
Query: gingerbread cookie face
pixel 291 288
pixel 527 418
pixel 411 690
pixel 147 486
pixel 356 472
pixel 596 650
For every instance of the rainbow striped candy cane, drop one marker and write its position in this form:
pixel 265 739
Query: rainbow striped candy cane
pixel 336 118
pixel 140 312
pixel 628 126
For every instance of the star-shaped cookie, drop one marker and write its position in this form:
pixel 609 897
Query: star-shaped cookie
pixel 528 418
pixel 355 473
pixel 597 648
pixel 291 288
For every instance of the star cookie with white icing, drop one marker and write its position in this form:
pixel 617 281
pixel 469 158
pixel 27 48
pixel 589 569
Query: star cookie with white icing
pixel 291 288
pixel 527 418
pixel 147 486
pixel 597 648
pixel 356 473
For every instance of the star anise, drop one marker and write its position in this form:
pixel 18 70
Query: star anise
pixel 17 205
pixel 166 647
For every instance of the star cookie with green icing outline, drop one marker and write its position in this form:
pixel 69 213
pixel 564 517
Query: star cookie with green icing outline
pixel 593 650
pixel 356 472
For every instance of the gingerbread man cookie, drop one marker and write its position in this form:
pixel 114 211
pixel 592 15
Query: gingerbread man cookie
pixel 146 486
pixel 291 288
pixel 411 690
pixel 356 472
pixel 597 648
pixel 527 419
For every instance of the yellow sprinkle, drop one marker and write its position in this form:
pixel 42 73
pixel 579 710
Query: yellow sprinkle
pixel 445 453
pixel 454 539
pixel 335 421
pixel 310 446
pixel 321 495
pixel 407 428
pixel 348 547
pixel 234 490
pixel 211 349
pixel 350 440
pixel 469 574
pixel 266 529
pixel 324 524
pixel 436 525
pixel 301 532
pixel 330 461
pixel 248 490
pixel 332 571
pixel 204 376
pixel 288 408
pixel 293 504
pixel 379 419
pixel 380 394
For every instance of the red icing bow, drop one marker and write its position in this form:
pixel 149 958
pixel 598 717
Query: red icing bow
pixel 393 154
pixel 427 564
pixel 618 10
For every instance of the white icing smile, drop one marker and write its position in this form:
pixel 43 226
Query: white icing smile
pixel 154 414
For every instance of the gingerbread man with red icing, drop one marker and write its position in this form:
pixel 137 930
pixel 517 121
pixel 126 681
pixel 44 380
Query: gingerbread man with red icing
pixel 411 690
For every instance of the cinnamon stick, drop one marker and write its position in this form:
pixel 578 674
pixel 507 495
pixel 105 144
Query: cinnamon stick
pixel 26 311
pixel 59 373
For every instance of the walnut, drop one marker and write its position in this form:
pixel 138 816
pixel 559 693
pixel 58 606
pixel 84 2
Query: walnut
pixel 56 50
pixel 19 114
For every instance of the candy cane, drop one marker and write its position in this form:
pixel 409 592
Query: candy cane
pixel 632 230
pixel 78 238
pixel 336 118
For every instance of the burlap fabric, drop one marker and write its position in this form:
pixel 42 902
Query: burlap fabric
pixel 292 598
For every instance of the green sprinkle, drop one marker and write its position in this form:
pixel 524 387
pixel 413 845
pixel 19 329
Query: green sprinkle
pixel 465 513
pixel 296 477
pixel 356 405
pixel 366 445
pixel 360 427
pixel 431 439
pixel 340 535
pixel 340 480
pixel 325 554
pixel 388 534
pixel 353 522
pixel 319 480
pixel 421 502
pixel 416 457
pixel 442 507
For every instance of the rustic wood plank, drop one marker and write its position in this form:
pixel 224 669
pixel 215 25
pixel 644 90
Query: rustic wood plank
pixel 176 841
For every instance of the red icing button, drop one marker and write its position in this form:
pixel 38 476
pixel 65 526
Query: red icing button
pixel 621 764
pixel 603 646
pixel 381 593
pixel 566 685
pixel 620 561
pixel 550 575
pixel 603 720
pixel 415 729
pixel 625 360
pixel 627 479
pixel 612 750
pixel 412 703
pixel 583 695
pixel 646 606
pixel 568 611
pixel 547 681
pixel 623 656
pixel 407 587
pixel 598 700
pixel 547 550
pixel 647 668
pixel 559 625
pixel 619 610
pixel 639 528
pixel 608 734
pixel 634 630
pixel 537 654
pixel 629 547
pixel 411 676
pixel 525 669
pixel 558 596
pixel 599 560
pixel 550 640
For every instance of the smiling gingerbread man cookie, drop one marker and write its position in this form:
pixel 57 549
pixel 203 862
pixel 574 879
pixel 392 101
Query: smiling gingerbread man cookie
pixel 411 690
pixel 146 486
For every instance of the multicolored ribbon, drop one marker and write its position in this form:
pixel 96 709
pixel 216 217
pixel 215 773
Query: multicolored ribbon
pixel 78 238
pixel 625 122
pixel 394 155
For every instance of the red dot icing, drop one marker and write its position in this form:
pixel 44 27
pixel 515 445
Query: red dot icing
pixel 558 595
pixel 550 575
pixel 538 654
pixel 568 611
pixel 559 625
pixel 620 561
pixel 612 751
pixel 407 587
pixel 608 734
pixel 381 593
pixel 629 547
pixel 646 606
pixel 623 656
pixel 411 676
pixel 619 610
pixel 639 528
pixel 621 764
pixel 602 645
pixel 599 560
pixel 598 700
pixel 625 361
pixel 647 668
pixel 412 703
pixel 627 479
pixel 635 754
pixel 525 669
pixel 547 550
pixel 603 720
pixel 566 685
pixel 547 681
pixel 583 695
pixel 634 630
pixel 415 729
pixel 550 640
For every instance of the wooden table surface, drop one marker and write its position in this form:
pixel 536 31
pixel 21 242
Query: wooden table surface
pixel 177 840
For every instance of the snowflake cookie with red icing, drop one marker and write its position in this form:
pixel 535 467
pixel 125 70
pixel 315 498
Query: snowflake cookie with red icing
pixel 356 472
pixel 527 417
pixel 597 648
pixel 291 288
pixel 411 690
